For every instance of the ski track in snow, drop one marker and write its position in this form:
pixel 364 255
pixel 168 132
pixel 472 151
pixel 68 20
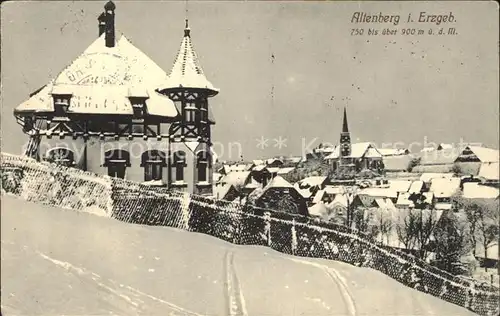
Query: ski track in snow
pixel 137 302
pixel 339 281
pixel 234 294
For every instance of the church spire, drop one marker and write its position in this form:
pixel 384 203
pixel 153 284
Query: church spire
pixel 345 138
pixel 345 128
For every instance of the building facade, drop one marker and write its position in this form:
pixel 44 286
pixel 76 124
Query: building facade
pixel 114 111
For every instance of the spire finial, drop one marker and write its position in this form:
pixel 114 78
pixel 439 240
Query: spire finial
pixel 187 30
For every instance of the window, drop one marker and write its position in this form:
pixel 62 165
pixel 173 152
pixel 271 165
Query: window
pixel 203 159
pixel 61 156
pixel 153 162
pixel 116 170
pixel 61 103
pixel 117 161
pixel 190 112
pixel 179 165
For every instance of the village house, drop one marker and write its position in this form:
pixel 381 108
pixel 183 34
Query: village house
pixel 472 158
pixel 280 195
pixel 113 100
pixel 309 186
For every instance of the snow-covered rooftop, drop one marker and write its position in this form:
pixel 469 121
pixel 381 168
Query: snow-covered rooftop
pixel 358 150
pixel 236 178
pixel 474 190
pixel 400 185
pixel 102 79
pixel 427 177
pixel 444 187
pixel 490 171
pixel 484 154
pixel 278 182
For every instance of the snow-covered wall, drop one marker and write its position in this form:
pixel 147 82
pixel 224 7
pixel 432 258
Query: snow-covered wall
pixel 246 225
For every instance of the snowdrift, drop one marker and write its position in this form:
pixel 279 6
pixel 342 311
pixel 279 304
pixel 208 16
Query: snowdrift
pixel 296 235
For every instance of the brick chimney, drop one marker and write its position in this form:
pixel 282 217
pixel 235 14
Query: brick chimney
pixel 102 23
pixel 109 11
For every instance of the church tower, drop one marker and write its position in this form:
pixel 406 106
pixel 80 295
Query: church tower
pixel 345 138
pixel 190 137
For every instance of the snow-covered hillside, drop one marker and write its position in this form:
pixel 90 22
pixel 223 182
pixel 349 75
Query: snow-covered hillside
pixel 59 262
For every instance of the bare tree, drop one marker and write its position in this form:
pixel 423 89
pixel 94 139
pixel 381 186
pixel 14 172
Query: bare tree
pixel 425 222
pixel 407 230
pixel 361 219
pixel 381 224
pixel 487 224
pixel 451 242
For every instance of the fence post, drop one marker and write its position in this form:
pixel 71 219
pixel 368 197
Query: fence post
pixel 267 227
pixel 185 214
pixel 294 238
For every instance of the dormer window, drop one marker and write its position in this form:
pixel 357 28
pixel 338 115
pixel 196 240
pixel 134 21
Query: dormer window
pixel 138 106
pixel 61 103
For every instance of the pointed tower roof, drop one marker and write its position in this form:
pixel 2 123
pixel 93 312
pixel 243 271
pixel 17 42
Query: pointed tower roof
pixel 345 128
pixel 186 71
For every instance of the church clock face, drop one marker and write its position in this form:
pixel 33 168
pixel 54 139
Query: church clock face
pixel 346 149
pixel 95 69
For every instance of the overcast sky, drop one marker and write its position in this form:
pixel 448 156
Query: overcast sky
pixel 397 88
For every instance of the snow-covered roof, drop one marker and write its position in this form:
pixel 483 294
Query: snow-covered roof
pixel 392 151
pixel 312 181
pixel 278 182
pixel 332 189
pixel 305 193
pixel 324 149
pixel 444 146
pixel 222 190
pixel 186 71
pixel 444 187
pixel 484 154
pixel 318 197
pixel 400 185
pixel 379 192
pixel 236 178
pixel 318 209
pixel 490 171
pixel 342 200
pixel 404 201
pixel 439 157
pixel 358 150
pixel 102 79
pixel 416 186
pixel 258 162
pixel 427 177
pixel 385 203
pixel 429 197
pixel 236 167
pixel 259 168
pixel 273 169
pixel 273 160
pixel 474 190
pixel 285 170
